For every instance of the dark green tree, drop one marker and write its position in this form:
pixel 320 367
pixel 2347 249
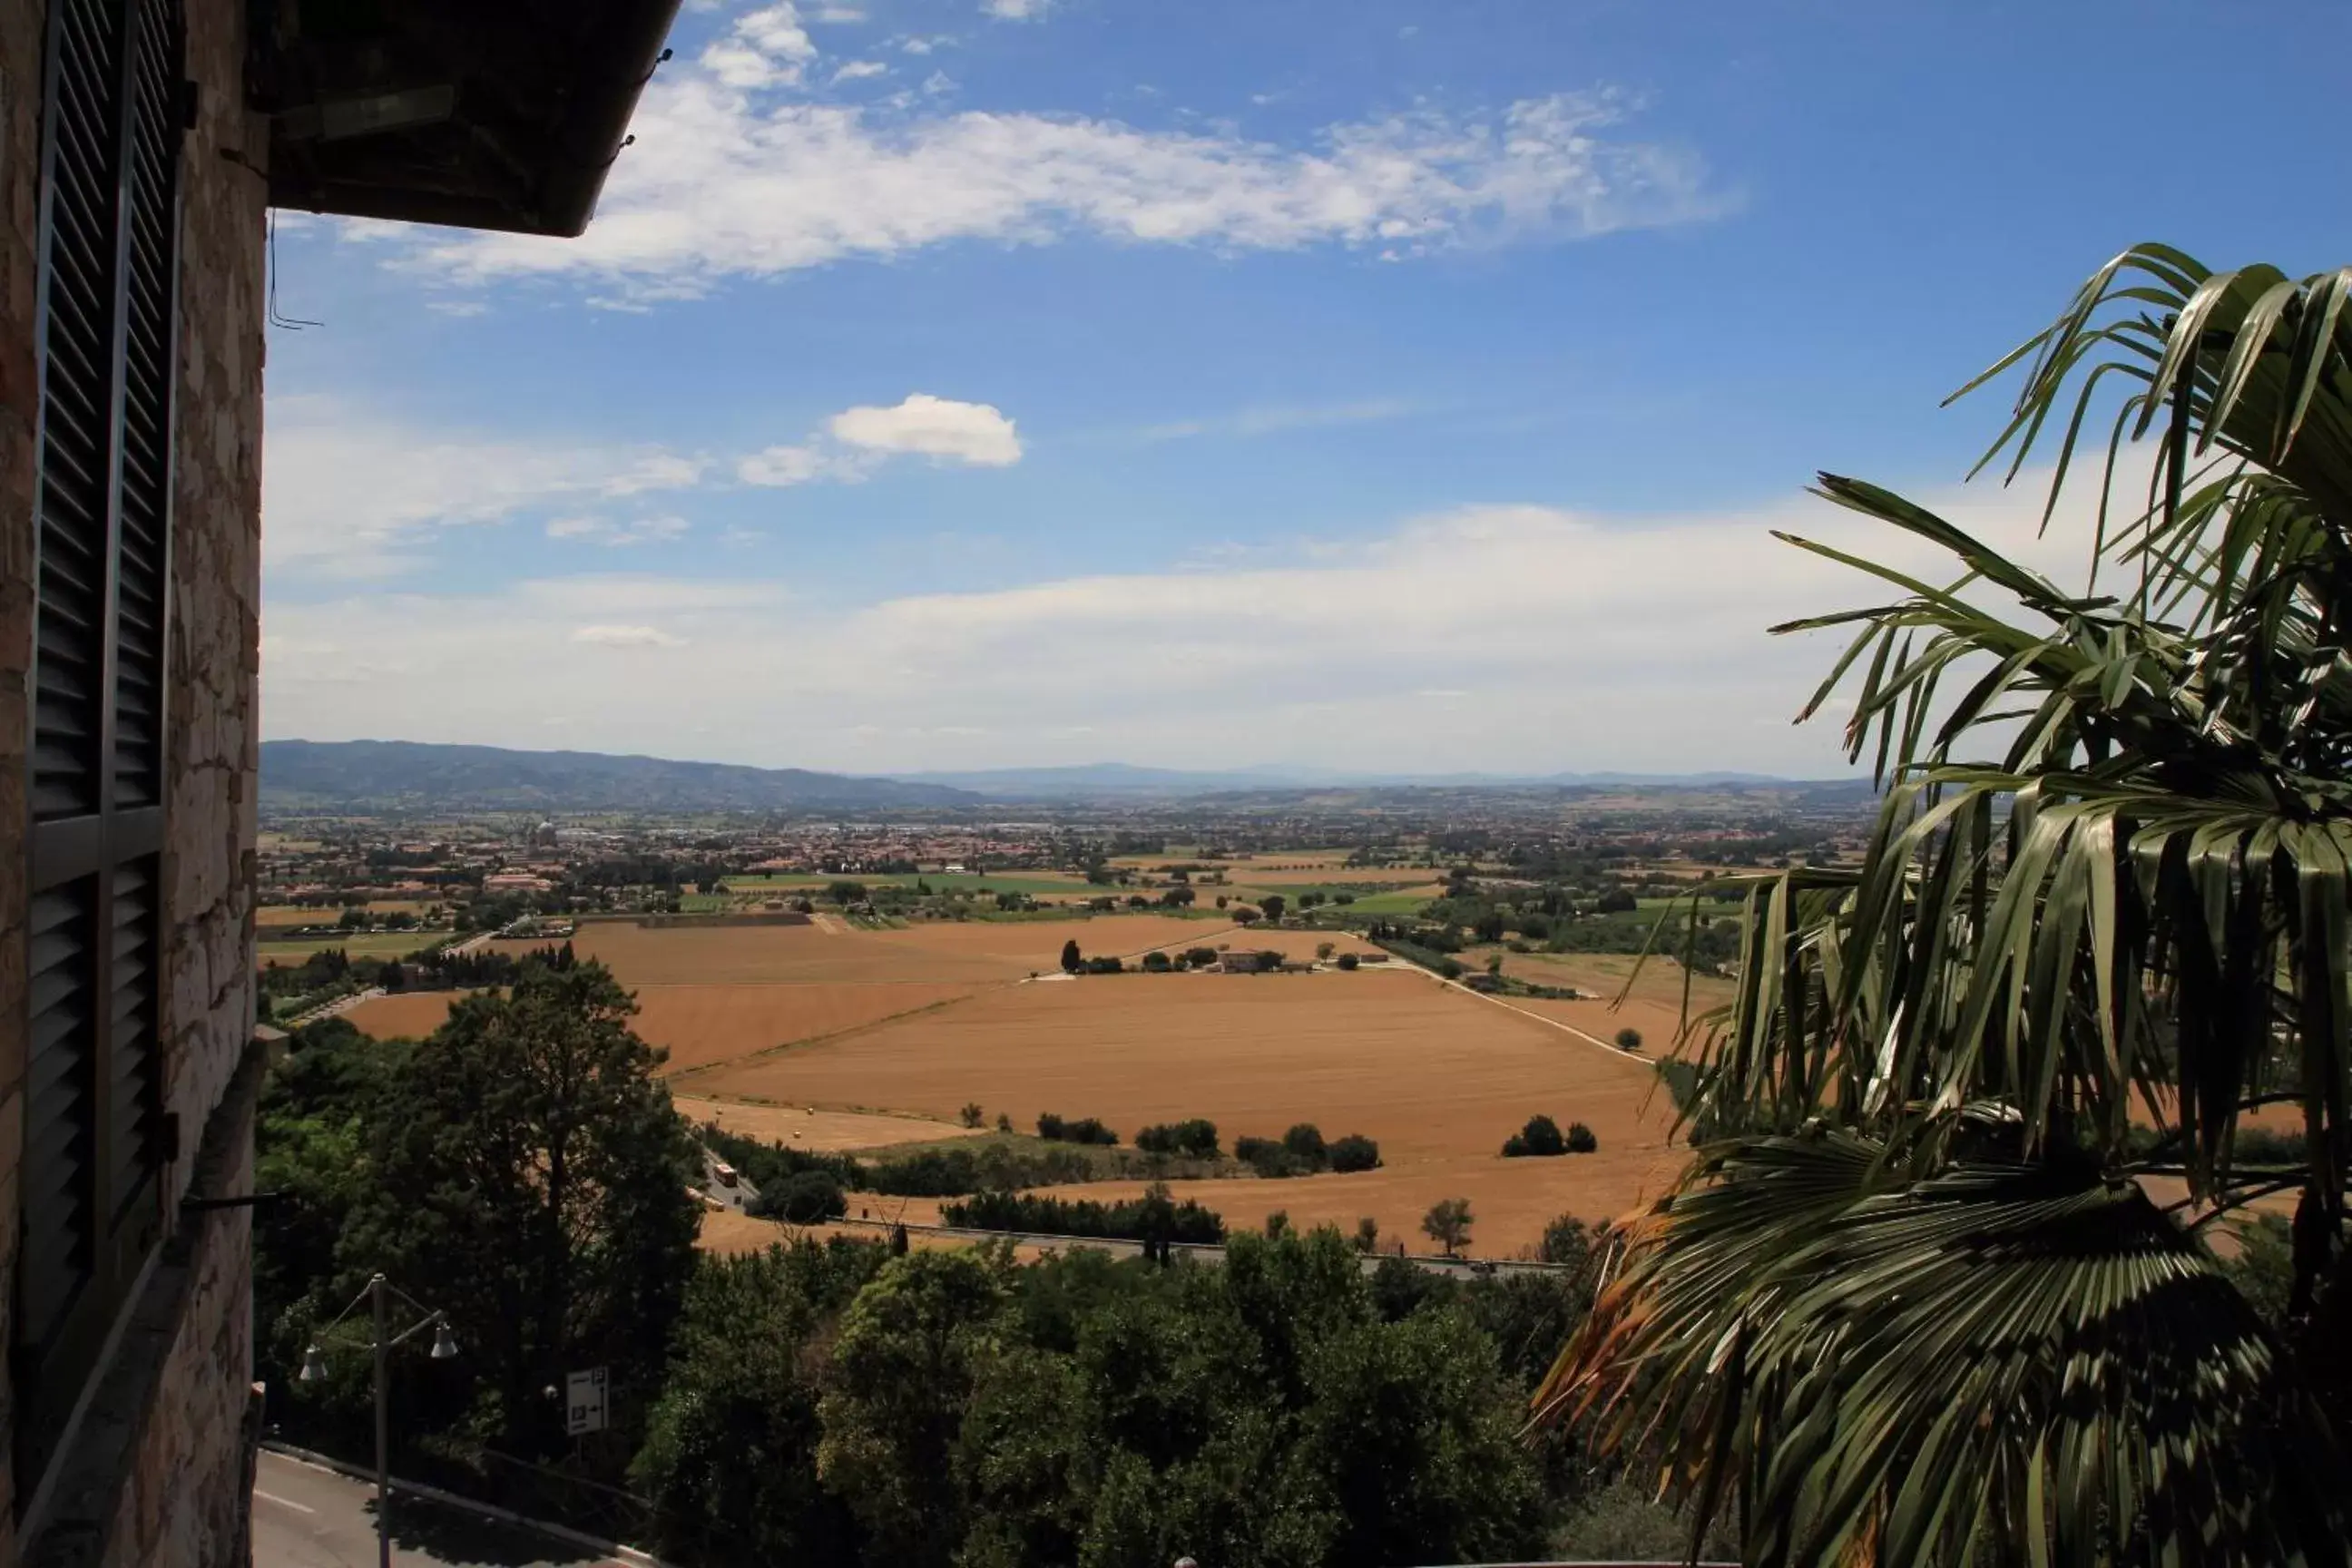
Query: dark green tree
pixel 530 1174
pixel 730 1457
pixel 1072 958
pixel 910 1349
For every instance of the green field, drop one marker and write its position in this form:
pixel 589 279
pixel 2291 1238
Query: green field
pixel 938 881
pixel 1390 904
pixel 358 945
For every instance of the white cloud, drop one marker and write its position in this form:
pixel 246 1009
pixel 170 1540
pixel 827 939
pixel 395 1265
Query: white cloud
pixel 857 440
pixel 767 47
pixel 1521 637
pixel 600 531
pixel 627 637
pixel 972 433
pixel 839 14
pixel 857 71
pixel 1016 10
pixel 793 466
pixel 349 494
pixel 728 178
pixel 919 45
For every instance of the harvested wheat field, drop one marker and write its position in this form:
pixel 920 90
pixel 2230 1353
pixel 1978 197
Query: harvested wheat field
pixel 819 1132
pixel 971 951
pixel 702 1026
pixel 403 1016
pixel 1439 1077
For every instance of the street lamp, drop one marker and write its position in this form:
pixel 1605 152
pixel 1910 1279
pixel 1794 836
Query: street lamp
pixel 314 1369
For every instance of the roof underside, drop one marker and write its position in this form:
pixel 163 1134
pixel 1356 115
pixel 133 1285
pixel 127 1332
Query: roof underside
pixel 478 113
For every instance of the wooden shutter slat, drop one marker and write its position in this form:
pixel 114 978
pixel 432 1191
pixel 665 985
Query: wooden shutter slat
pixel 58 1131
pixel 109 286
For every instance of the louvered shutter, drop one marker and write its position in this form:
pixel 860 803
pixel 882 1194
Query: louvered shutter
pixel 109 280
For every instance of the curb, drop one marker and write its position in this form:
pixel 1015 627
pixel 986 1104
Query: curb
pixel 563 1533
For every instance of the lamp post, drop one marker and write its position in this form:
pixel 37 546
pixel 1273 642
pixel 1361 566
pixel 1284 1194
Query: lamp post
pixel 378 1295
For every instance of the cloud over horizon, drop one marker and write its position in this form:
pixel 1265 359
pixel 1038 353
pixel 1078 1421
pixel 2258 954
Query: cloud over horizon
pixel 1508 638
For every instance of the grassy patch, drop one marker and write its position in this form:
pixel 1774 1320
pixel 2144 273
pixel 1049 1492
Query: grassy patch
pixel 358 945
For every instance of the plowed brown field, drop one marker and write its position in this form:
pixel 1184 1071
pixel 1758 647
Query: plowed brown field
pixel 822 1131
pixel 407 1016
pixel 1440 1078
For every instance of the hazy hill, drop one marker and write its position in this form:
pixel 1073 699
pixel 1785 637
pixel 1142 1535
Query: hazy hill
pixel 406 775
pixel 1103 781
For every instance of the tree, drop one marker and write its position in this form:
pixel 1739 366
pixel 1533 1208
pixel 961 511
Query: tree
pixel 1003 1122
pixel 1367 1238
pixel 1629 1038
pixel 971 1114
pixel 1355 1152
pixel 1305 1141
pixel 1447 1223
pixel 1156 962
pixel 846 893
pixel 2079 947
pixel 528 1168
pixel 1581 1138
pixel 1349 962
pixel 910 1351
pixel 1072 958
pixel 1540 1136
pixel 730 1457
pixel 1272 906
pixel 1324 949
pixel 1245 916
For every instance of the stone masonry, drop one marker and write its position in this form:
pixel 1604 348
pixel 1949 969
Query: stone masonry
pixel 157 1474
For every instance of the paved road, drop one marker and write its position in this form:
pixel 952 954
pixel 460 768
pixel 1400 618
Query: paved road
pixel 306 1517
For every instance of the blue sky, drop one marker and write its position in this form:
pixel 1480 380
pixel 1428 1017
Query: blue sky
pixel 1371 384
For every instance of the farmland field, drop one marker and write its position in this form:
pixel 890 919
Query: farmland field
pixel 1440 1078
pixel 829 1038
pixel 359 944
pixel 1043 884
pixel 408 1015
pixel 819 1132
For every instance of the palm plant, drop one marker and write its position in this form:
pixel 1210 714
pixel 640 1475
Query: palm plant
pixel 1926 1294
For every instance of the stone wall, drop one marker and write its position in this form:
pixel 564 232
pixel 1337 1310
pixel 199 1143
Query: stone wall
pixel 162 1481
pixel 20 103
pixel 184 1501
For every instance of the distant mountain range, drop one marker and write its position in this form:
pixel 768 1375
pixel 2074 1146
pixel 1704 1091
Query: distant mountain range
pixel 1100 781
pixel 412 776
pixel 406 775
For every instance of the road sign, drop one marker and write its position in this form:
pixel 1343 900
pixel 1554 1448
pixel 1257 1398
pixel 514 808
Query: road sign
pixel 584 1401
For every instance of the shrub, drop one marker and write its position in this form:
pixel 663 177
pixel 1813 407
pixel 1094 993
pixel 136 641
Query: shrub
pixel 1349 960
pixel 1306 1144
pixel 971 1114
pixel 1200 957
pixel 1157 963
pixel 1629 1040
pixel 1355 1152
pixel 1084 1130
pixel 1269 962
pixel 1196 1137
pixel 1542 1136
pixel 1104 964
pixel 1580 1139
pixel 811 1197
pixel 1267 1157
pixel 1003 1122
pixel 1139 1220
